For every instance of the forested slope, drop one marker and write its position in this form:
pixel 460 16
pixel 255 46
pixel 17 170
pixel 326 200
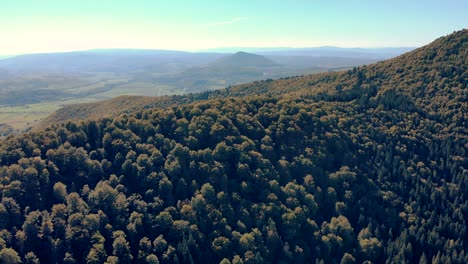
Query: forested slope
pixel 433 76
pixel 369 165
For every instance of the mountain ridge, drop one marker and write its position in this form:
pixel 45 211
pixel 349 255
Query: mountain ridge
pixel 329 84
pixel 243 59
pixel 314 51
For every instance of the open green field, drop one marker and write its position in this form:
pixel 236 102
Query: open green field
pixel 24 116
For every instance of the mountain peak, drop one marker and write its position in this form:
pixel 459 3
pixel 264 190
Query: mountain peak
pixel 243 53
pixel 244 59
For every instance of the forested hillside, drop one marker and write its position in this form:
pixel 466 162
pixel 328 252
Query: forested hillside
pixel 367 165
pixel 433 76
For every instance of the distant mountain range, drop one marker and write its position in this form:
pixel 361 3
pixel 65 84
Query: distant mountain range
pixel 325 51
pixel 112 60
pixel 37 84
pixel 237 68
pixel 164 61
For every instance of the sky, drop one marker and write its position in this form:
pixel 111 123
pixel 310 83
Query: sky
pixel 36 26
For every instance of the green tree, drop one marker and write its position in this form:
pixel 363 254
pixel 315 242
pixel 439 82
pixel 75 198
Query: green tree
pixel 31 258
pixel 9 256
pixel 60 192
pixel 152 259
pixel 121 248
pixel 347 259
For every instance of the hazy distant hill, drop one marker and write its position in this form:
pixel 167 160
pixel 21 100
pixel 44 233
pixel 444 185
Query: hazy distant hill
pixel 326 51
pixel 3 73
pixel 243 59
pixel 106 60
pixel 326 63
pixel 231 69
pixel 32 86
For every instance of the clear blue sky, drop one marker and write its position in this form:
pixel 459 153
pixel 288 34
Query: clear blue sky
pixel 29 26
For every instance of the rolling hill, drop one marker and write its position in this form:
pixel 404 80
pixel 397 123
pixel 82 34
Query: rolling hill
pixel 412 75
pixel 243 59
pixel 57 79
pixel 234 69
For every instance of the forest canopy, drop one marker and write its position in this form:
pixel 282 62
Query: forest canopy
pixel 366 165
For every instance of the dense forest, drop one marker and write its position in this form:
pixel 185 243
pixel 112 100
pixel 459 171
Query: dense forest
pixel 368 165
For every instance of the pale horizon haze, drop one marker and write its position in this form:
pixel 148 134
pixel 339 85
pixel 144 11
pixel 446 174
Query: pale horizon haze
pixel 28 26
